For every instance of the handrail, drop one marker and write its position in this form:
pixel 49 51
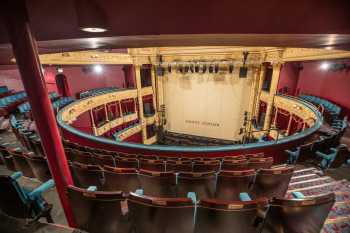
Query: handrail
pixel 300 135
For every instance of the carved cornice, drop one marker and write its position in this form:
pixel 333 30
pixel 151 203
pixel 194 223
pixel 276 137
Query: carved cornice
pixel 301 54
pixel 85 57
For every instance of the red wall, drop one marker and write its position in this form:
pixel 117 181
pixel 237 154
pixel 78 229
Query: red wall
pixel 327 84
pixel 112 75
pixel 289 77
pixel 12 79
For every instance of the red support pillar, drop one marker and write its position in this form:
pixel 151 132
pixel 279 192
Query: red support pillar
pixel 24 47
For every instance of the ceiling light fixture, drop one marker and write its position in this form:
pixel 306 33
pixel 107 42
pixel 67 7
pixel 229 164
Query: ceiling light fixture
pixel 91 17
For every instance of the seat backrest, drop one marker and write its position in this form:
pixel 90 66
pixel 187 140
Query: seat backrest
pixel 179 166
pixel 298 215
pixel 203 184
pixel 121 179
pixel 231 183
pixel 39 167
pixel 152 165
pixel 87 175
pixel 342 156
pixel 255 155
pixel 7 159
pixel 160 215
pixel 126 162
pixel 12 198
pixel 102 160
pixel 81 157
pixel 272 182
pixel 98 211
pixel 305 152
pixel 215 216
pixel 206 166
pixel 21 164
pixel 260 163
pixel 234 165
pixel 158 184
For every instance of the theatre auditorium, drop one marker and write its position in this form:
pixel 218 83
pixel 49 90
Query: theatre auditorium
pixel 174 116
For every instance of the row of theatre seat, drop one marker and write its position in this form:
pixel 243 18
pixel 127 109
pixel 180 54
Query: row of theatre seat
pixel 96 91
pixel 118 212
pixel 9 103
pixel 177 164
pixel 326 150
pixel 225 185
pixel 333 109
pixel 25 107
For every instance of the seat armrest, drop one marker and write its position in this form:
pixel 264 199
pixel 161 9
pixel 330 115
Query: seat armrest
pixel 192 195
pixel 41 189
pixel 334 150
pixel 16 175
pixel 92 188
pixel 298 195
pixel 244 197
pixel 139 191
pixel 322 155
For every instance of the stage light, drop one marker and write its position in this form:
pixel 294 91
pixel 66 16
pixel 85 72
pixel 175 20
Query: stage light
pixel 98 69
pixel 325 66
pixel 329 47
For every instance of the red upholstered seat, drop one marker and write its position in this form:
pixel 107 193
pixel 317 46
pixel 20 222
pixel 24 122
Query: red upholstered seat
pixel 259 163
pixel 98 212
pixel 20 162
pixel 158 184
pixel 126 155
pixel 81 156
pixel 121 179
pixel 152 165
pixel 103 160
pixel 126 162
pixel 39 167
pixel 234 164
pixel 160 215
pixel 231 183
pixel 206 166
pixel 179 165
pixel 7 158
pixel 87 175
pixel 272 182
pixel 298 215
pixel 214 216
pixel 203 184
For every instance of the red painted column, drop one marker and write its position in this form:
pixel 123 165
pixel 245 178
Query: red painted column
pixel 26 54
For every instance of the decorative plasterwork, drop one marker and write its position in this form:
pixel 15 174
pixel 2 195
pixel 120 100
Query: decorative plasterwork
pixel 295 108
pixel 301 54
pixel 85 57
pixel 150 141
pixel 147 91
pixel 150 120
pixel 112 124
pixel 72 111
pixel 122 135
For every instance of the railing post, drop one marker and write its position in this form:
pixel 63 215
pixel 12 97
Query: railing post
pixel 26 54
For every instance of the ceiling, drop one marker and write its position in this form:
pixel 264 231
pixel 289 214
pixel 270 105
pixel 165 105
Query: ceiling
pixel 135 23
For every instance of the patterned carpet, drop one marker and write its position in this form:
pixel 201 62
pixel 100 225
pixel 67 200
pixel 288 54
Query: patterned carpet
pixel 311 181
